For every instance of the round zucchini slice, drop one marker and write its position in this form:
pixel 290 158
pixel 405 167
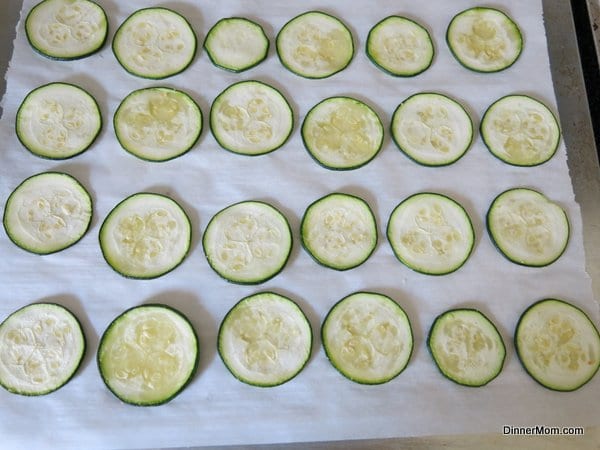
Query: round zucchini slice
pixel 145 236
pixel 148 355
pixel 41 348
pixel 248 242
pixel 265 340
pixel 66 29
pixel 236 44
pixel 484 39
pixel 432 129
pixel 520 130
pixel 155 43
pixel 47 213
pixel 339 231
pixel 558 345
pixel 158 123
pixel 431 233
pixel 58 121
pixel 367 338
pixel 315 45
pixel 466 347
pixel 527 227
pixel 342 133
pixel 400 46
pixel 251 118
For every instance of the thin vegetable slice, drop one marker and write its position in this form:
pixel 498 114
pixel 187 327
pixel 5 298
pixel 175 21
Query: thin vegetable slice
pixel 145 236
pixel 432 129
pixel 155 43
pixel 527 227
pixel 315 45
pixel 58 121
pixel 339 231
pixel 520 130
pixel 484 39
pixel 41 348
pixel 251 118
pixel 342 133
pixel 148 355
pixel 431 233
pixel 400 46
pixel 158 124
pixel 248 242
pixel 66 29
pixel 466 347
pixel 558 345
pixel 367 338
pixel 47 213
pixel 236 44
pixel 265 340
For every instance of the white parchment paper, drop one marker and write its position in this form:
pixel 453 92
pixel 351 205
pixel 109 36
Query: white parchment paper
pixel 319 404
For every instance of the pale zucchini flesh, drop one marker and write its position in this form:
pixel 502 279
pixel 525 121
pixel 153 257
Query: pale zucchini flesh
pixel 155 43
pixel 66 29
pixel 58 121
pixel 145 236
pixel 248 242
pixel 251 118
pixel 558 345
pixel 47 213
pixel 265 340
pixel 466 347
pixel 339 231
pixel 148 355
pixel 236 44
pixel 368 338
pixel 527 227
pixel 41 347
pixel 520 130
pixel 400 46
pixel 432 129
pixel 342 133
pixel 158 124
pixel 484 39
pixel 431 233
pixel 315 45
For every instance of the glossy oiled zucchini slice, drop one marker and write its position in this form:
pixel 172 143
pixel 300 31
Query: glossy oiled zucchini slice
pixel 265 339
pixel 41 347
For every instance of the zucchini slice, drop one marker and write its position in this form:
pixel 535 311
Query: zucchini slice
pixel 431 233
pixel 466 347
pixel 265 340
pixel 315 45
pixel 236 44
pixel 251 118
pixel 558 345
pixel 41 347
pixel 47 213
pixel 484 39
pixel 66 29
pixel 368 338
pixel 432 129
pixel 342 133
pixel 400 46
pixel 158 123
pixel 58 121
pixel 520 130
pixel 155 43
pixel 145 236
pixel 339 231
pixel 148 355
pixel 248 242
pixel 527 227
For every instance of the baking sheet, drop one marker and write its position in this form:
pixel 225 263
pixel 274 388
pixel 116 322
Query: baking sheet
pixel 319 404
